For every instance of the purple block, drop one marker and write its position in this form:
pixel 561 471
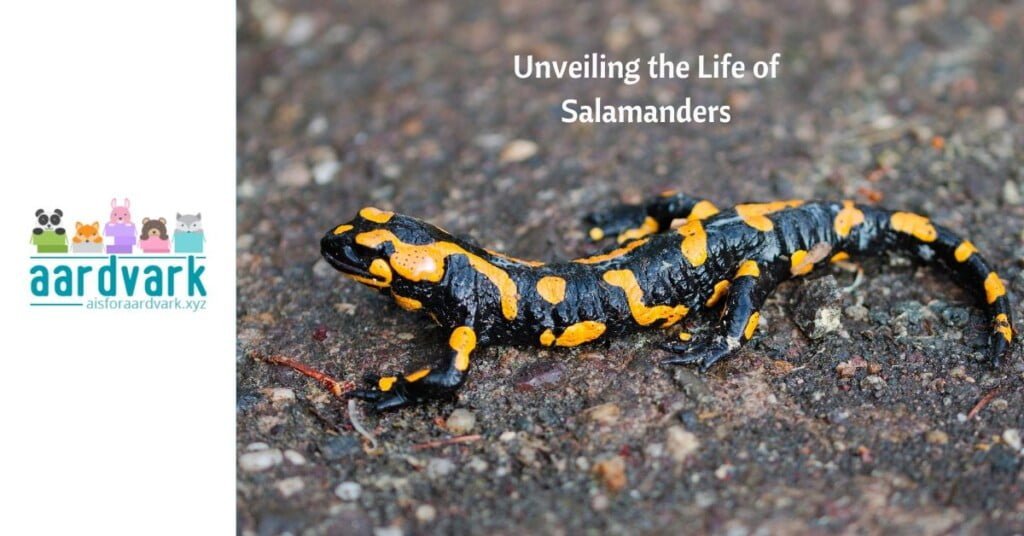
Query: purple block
pixel 124 240
pixel 119 229
pixel 116 248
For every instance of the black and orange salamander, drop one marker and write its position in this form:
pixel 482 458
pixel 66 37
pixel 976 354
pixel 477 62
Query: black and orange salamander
pixel 656 275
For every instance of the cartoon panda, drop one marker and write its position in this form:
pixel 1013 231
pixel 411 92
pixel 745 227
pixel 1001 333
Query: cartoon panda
pixel 49 236
pixel 49 222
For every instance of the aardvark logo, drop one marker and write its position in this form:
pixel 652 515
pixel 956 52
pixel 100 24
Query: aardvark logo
pixel 121 263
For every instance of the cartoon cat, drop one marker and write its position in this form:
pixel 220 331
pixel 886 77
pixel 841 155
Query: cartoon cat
pixel 188 233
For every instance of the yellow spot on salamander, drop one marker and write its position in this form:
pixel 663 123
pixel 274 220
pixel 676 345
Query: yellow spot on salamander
pixel 596 233
pixel 649 226
pixel 425 262
pixel 684 336
pixel 386 383
pixel 643 314
pixel 756 214
pixel 418 375
pixel 840 257
pixel 914 224
pixel 380 268
pixel 1002 326
pixel 847 218
pixel 668 193
pixel 752 322
pixel 580 332
pixel 614 254
pixel 342 228
pixel 799 264
pixel 463 341
pixel 547 338
pixel 552 289
pixel 702 210
pixel 994 288
pixel 964 251
pixel 376 215
pixel 721 288
pixel 748 268
pixel 409 304
pixel 695 242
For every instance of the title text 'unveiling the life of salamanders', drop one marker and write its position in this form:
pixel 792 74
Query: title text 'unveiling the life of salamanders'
pixel 597 66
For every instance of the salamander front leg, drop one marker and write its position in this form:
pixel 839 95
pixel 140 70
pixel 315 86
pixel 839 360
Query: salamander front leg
pixel 431 383
pixel 740 317
pixel 630 222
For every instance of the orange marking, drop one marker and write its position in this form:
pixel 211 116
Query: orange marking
pixel 1002 326
pixel 756 214
pixel 964 251
pixel 702 210
pixel 596 233
pixel 994 288
pixel 721 288
pixel 552 289
pixel 463 341
pixel 426 263
pixel 914 224
pixel 409 304
pixel 799 263
pixel 847 218
pixel 748 268
pixel 342 228
pixel 649 226
pixel 614 254
pixel 547 338
pixel 580 333
pixel 419 374
pixel 752 322
pixel 840 257
pixel 643 314
pixel 695 242
pixel 386 383
pixel 376 215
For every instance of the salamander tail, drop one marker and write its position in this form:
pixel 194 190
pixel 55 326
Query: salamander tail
pixel 934 244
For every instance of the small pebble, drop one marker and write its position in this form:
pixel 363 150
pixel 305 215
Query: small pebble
pixel 461 421
pixel 388 531
pixel 517 151
pixel 289 486
pixel 507 436
pixel 294 457
pixel 439 467
pixel 348 491
pixel 258 445
pixel 600 502
pixel 858 313
pixel 1011 436
pixel 681 443
pixel 425 513
pixel 606 414
pixel 280 394
pixel 724 471
pixel 296 174
pixel 937 437
pixel 612 472
pixel 260 460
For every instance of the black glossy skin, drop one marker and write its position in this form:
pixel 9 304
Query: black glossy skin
pixel 465 298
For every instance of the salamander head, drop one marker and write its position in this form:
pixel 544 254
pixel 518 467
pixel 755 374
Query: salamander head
pixel 382 249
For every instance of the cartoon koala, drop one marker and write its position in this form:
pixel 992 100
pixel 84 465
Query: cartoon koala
pixel 188 233
pixel 154 237
pixel 87 238
pixel 49 236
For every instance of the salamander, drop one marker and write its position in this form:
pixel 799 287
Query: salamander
pixel 674 255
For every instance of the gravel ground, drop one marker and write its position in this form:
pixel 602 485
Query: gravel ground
pixel 869 426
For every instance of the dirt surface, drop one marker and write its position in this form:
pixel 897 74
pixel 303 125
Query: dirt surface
pixel 871 426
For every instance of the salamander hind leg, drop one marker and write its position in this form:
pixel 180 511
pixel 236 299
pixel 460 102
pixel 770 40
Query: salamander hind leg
pixel 630 222
pixel 429 383
pixel 740 316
